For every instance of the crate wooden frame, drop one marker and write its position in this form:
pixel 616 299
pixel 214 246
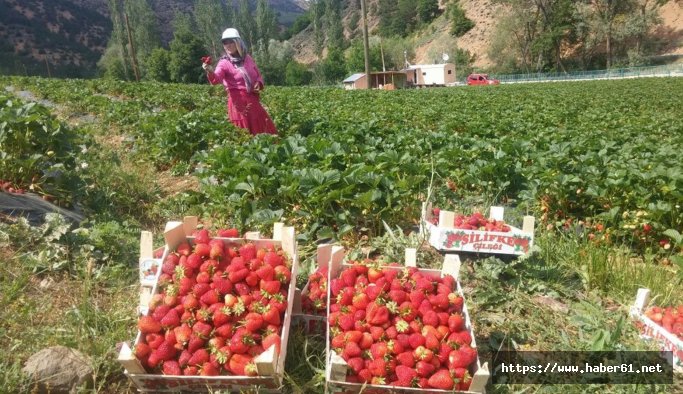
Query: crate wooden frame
pixel 314 324
pixel 336 368
pixel 653 331
pixel 515 242
pixel 270 366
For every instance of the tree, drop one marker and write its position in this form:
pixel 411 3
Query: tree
pixel 333 24
pixel 297 74
pixel 317 10
pixel 116 47
pixel 143 23
pixel 112 64
pixel 427 10
pixel 273 64
pixel 460 23
pixel 603 20
pixel 157 65
pixel 355 60
pixel 641 21
pixel 334 66
pixel 266 24
pixel 186 52
pixel 246 24
pixel 212 17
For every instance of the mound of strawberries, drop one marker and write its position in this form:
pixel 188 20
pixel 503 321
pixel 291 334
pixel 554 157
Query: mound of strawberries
pixel 219 307
pixel 314 299
pixel 400 327
pixel 476 221
pixel 671 318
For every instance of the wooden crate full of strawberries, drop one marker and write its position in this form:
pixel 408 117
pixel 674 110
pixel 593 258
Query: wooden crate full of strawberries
pixel 219 314
pixel 663 324
pixel 399 329
pixel 451 232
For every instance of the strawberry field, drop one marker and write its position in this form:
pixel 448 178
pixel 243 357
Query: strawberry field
pixel 596 163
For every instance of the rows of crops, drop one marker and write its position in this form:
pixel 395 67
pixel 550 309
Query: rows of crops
pixel 608 154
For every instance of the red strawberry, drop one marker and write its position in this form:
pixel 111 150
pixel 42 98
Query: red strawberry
pixel 229 233
pixel 142 350
pixel 199 357
pixel 193 261
pixel 272 316
pixel 351 350
pixel 238 276
pixel 201 329
pixel 272 340
pixel 441 380
pixel 424 369
pixel 154 340
pixel 416 340
pixel 378 367
pixel 184 249
pixel 210 297
pixel 405 375
pixel 283 274
pixel 365 376
pixel 191 370
pixel 406 359
pixel 430 318
pixel 273 259
pixel 379 350
pixel 148 325
pixel 253 322
pixel 171 319
pixel 238 363
pixel 266 272
pixel 270 287
pixel 356 363
pixel 171 368
pixel 248 251
pixel 377 315
pixel 166 351
pixel 209 369
pixel 202 236
pixel 202 249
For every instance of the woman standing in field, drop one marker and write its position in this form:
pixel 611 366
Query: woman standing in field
pixel 242 80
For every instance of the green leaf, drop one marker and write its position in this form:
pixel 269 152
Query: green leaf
pixel 674 235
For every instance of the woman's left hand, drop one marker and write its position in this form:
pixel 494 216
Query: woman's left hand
pixel 258 86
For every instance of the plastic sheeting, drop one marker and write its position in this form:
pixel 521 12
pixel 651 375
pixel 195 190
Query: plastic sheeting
pixel 33 208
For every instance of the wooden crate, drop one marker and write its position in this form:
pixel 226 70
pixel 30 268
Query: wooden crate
pixel 653 331
pixel 336 368
pixel 445 238
pixel 270 365
pixel 314 324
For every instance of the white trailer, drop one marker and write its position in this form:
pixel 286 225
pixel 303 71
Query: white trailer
pixel 431 74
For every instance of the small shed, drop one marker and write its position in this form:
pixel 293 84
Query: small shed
pixel 388 80
pixel 431 74
pixel 356 81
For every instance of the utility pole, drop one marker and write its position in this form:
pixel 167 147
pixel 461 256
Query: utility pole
pixel 366 45
pixel 47 64
pixel 132 49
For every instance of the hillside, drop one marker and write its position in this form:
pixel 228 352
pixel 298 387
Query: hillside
pixel 68 37
pixel 486 14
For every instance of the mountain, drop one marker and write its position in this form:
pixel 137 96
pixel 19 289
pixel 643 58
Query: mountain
pixel 68 37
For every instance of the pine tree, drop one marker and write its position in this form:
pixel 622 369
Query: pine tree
pixel 246 24
pixel 266 25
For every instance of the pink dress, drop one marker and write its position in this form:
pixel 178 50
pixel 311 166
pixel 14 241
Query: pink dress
pixel 244 105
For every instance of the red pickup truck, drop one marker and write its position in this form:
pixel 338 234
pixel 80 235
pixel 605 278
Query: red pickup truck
pixel 481 79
